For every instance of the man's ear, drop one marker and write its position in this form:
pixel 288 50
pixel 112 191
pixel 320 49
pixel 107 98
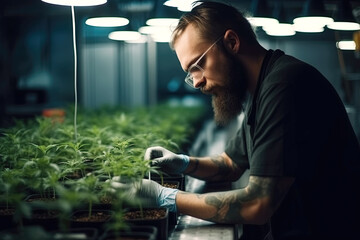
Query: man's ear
pixel 231 41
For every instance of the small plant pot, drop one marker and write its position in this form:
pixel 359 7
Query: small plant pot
pixel 156 217
pixel 40 215
pixel 76 233
pixel 172 177
pixel 98 219
pixel 133 232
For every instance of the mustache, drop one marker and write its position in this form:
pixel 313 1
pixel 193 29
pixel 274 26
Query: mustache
pixel 207 91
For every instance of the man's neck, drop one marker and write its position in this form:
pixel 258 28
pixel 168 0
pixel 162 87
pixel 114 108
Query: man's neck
pixel 253 59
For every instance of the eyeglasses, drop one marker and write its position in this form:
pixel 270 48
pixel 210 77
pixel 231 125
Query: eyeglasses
pixel 195 72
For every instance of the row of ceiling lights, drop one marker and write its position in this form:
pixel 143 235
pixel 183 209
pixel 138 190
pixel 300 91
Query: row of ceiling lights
pixel 313 19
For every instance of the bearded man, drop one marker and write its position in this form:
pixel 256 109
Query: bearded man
pixel 296 138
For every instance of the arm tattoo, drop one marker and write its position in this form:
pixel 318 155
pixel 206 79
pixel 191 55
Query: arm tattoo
pixel 224 170
pixel 229 204
pixel 195 167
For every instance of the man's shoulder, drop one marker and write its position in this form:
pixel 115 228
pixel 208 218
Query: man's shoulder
pixel 288 69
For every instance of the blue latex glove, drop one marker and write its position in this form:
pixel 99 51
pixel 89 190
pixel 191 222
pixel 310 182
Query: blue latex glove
pixel 149 192
pixel 166 160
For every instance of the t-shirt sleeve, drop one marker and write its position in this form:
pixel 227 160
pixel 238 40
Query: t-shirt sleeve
pixel 274 143
pixel 236 148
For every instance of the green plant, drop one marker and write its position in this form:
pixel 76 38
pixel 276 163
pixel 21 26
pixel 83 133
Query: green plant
pixel 87 188
pixel 12 194
pixel 40 173
pixel 42 156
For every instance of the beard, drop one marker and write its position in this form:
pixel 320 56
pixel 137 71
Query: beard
pixel 227 103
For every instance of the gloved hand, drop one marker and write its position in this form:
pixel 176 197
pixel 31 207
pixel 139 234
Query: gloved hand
pixel 168 161
pixel 149 192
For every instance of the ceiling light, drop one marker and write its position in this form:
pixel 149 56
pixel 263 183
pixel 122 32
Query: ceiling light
pixel 346 26
pixel 107 21
pixel 172 3
pixel 313 14
pixel 261 14
pixel 313 20
pixel 181 5
pixel 281 29
pixel 154 29
pixel 125 35
pixel 142 39
pixel 161 37
pixel 262 21
pixel 308 28
pixel 76 2
pixel 162 21
pixel 346 45
pixel 344 18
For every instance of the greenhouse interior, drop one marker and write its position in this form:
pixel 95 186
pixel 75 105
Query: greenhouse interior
pixel 82 103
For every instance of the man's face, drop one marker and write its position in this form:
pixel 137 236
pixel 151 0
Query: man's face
pixel 223 78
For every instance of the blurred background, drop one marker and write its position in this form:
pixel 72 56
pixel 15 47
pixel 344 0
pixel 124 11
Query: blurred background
pixel 37 55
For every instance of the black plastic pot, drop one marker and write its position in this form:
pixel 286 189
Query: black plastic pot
pixel 162 224
pixel 40 214
pixel 76 220
pixel 133 232
pixel 172 177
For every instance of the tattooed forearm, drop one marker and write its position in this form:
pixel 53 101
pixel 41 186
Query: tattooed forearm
pixel 220 163
pixel 195 168
pixel 233 206
pixel 225 171
pixel 226 211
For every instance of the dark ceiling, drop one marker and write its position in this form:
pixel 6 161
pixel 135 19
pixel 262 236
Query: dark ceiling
pixel 148 7
pixel 138 11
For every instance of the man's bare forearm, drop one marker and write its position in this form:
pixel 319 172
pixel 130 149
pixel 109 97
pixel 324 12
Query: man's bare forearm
pixel 214 168
pixel 251 205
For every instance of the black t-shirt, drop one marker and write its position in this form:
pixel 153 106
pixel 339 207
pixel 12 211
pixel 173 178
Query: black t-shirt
pixel 296 125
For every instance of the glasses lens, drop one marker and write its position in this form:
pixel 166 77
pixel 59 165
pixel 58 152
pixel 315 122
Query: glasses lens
pixel 189 80
pixel 195 73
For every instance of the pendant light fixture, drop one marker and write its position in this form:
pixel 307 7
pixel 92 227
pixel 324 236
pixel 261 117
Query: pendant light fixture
pixel 76 2
pixel 344 18
pixel 181 5
pixel 346 45
pixel 107 21
pixel 261 14
pixel 313 17
pixel 283 28
pixel 125 35
pixel 106 15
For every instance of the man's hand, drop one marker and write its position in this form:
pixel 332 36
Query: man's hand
pixel 150 193
pixel 168 161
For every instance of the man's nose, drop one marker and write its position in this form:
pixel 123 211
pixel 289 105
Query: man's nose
pixel 200 82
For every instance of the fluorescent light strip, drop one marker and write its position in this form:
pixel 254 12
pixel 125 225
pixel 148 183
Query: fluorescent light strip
pixel 262 21
pixel 76 2
pixel 125 35
pixel 346 45
pixel 347 26
pixel 107 22
pixel 162 22
pixel 181 5
pixel 313 21
pixel 308 28
pixel 281 29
